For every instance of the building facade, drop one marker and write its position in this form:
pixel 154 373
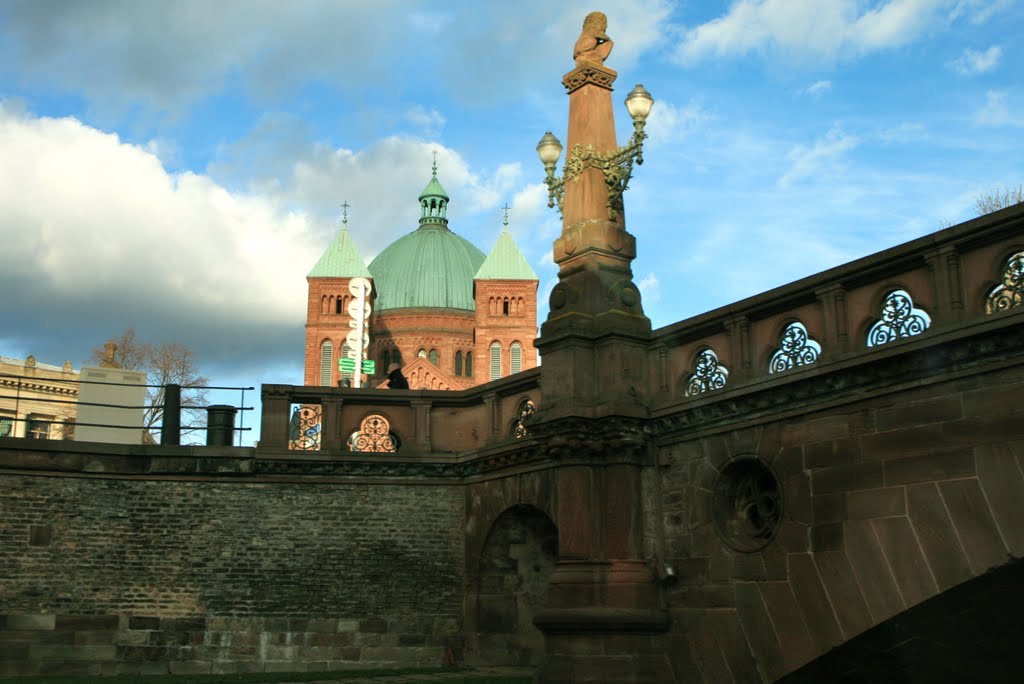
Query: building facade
pixel 449 315
pixel 37 400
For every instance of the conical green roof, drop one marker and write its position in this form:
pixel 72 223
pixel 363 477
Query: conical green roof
pixel 341 260
pixel 433 189
pixel 505 262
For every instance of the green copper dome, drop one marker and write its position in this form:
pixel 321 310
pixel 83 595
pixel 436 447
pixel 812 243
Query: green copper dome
pixel 431 267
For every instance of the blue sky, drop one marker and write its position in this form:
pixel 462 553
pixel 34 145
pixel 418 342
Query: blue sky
pixel 178 166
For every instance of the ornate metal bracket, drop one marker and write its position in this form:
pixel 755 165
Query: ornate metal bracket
pixel 617 167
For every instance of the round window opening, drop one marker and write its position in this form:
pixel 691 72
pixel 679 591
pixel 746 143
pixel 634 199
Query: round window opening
pixel 747 504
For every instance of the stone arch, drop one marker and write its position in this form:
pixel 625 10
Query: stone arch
pixel 509 587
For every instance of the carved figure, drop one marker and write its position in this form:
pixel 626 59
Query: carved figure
pixel 109 349
pixel 593 45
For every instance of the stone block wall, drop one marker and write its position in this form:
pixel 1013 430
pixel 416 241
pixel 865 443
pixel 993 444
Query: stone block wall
pixel 886 501
pixel 108 576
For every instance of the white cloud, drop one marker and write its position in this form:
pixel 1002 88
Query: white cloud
pixel 978 11
pixel 810 161
pixel 817 88
pixel 815 29
pixel 126 56
pixel 430 121
pixel 668 123
pixel 997 111
pixel 650 288
pixel 98 233
pixel 973 62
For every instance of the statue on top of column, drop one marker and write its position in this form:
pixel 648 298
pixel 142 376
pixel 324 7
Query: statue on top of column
pixel 593 45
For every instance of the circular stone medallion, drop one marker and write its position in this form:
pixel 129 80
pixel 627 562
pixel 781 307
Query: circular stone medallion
pixel 747 504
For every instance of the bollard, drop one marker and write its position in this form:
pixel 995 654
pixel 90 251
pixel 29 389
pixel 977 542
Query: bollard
pixel 220 425
pixel 170 431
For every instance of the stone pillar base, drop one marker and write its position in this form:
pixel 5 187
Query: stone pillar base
pixel 607 645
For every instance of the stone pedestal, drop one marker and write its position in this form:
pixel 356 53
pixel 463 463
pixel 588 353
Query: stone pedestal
pixel 604 620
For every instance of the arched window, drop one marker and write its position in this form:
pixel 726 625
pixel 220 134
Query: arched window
pixel 326 359
pixel 385 361
pixel 458 363
pixel 495 360
pixel 504 307
pixel 422 353
pixel 339 305
pixel 517 357
pixel 433 356
pixel 469 364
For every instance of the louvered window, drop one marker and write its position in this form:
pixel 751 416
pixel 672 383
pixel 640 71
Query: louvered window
pixel 326 358
pixel 495 361
pixel 517 357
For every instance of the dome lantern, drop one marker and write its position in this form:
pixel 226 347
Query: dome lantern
pixel 434 202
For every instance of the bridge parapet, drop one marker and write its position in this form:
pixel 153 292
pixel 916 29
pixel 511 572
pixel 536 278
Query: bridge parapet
pixel 413 422
pixel 945 281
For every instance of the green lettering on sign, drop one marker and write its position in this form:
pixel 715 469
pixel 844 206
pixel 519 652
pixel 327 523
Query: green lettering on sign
pixel 346 365
pixel 369 367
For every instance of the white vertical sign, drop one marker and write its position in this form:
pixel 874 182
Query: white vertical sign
pixel 358 338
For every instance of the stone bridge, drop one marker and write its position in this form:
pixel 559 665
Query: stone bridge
pixel 784 475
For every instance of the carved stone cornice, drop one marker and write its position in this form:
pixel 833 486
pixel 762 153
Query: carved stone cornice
pixel 610 439
pixel 381 468
pixel 593 74
pixel 42 385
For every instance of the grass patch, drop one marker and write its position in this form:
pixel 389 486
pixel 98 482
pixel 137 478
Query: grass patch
pixel 262 677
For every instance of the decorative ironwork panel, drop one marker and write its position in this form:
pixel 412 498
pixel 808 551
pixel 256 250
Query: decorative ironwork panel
pixel 374 436
pixel 526 409
pixel 747 504
pixel 899 319
pixel 1011 292
pixel 797 349
pixel 304 428
pixel 708 374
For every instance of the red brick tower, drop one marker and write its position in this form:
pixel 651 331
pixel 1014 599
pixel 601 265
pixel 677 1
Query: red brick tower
pixel 505 291
pixel 327 309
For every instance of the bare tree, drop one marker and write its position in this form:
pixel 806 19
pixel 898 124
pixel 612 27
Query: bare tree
pixel 995 200
pixel 166 363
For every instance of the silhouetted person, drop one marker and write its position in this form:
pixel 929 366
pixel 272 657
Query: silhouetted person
pixel 395 378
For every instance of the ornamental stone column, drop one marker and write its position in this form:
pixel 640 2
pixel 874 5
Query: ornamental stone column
pixel 605 620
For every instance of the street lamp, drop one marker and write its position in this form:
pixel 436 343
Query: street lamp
pixel 617 165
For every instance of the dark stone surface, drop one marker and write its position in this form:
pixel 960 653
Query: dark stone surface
pixel 971 633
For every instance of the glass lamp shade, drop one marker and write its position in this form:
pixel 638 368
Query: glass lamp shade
pixel 549 149
pixel 639 103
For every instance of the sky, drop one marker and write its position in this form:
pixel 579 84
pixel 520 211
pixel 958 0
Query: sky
pixel 178 167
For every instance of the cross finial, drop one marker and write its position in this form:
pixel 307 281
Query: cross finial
pixel 505 221
pixel 344 212
pixel 434 167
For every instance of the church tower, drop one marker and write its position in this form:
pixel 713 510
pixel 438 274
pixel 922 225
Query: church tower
pixel 327 314
pixel 505 291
